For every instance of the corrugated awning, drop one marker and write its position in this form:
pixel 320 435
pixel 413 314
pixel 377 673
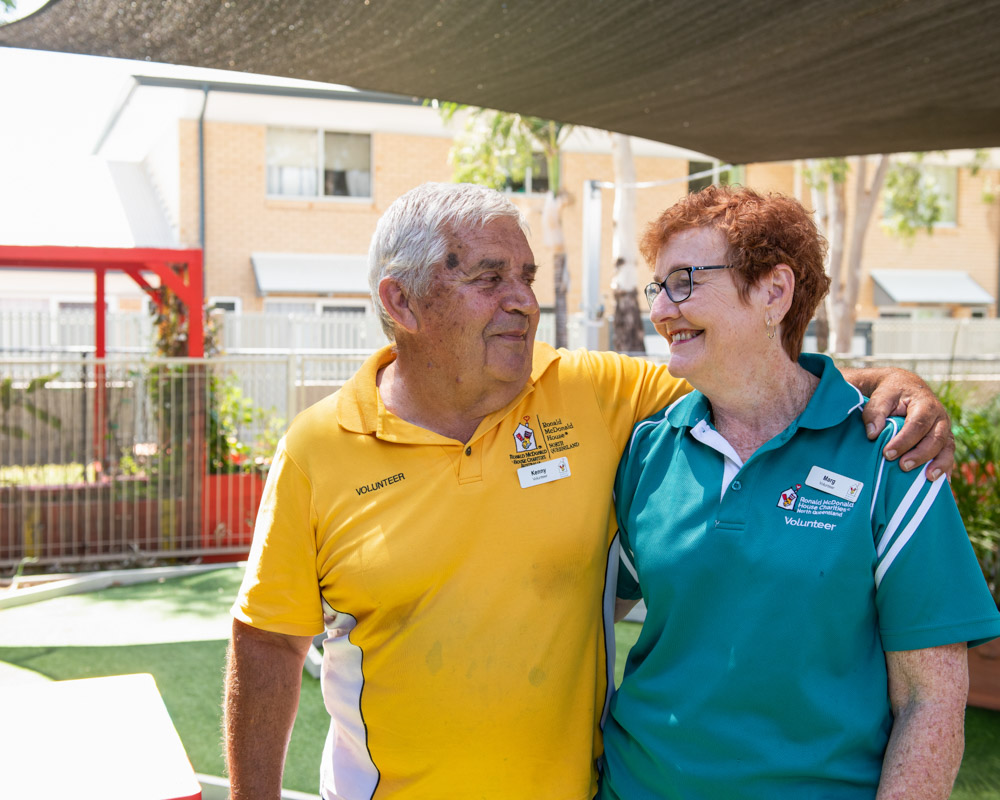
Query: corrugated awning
pixel 310 273
pixel 933 286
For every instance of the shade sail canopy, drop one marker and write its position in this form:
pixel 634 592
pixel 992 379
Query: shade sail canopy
pixel 310 273
pixel 928 286
pixel 759 80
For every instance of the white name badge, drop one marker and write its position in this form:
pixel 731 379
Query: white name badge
pixel 544 472
pixel 838 485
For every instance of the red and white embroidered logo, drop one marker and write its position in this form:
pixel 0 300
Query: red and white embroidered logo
pixel 789 497
pixel 524 437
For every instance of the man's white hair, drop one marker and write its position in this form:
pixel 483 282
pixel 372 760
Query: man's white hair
pixel 413 235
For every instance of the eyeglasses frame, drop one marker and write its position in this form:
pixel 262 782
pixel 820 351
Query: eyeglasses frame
pixel 662 285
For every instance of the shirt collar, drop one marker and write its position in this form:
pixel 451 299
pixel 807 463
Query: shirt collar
pixel 831 403
pixel 360 410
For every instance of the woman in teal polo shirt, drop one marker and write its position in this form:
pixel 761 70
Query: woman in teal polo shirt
pixel 809 604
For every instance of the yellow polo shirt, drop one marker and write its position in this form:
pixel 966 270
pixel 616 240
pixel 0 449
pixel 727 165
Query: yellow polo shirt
pixel 465 588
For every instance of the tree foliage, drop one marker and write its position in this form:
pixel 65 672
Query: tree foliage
pixel 498 146
pixel 912 200
pixel 912 203
pixel 13 398
pixel 976 482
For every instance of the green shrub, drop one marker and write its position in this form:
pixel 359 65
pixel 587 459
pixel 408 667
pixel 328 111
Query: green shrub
pixel 976 479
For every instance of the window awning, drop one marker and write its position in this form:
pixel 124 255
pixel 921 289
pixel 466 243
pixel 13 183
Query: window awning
pixel 310 273
pixel 928 286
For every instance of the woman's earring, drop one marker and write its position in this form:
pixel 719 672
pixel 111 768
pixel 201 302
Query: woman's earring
pixel 770 327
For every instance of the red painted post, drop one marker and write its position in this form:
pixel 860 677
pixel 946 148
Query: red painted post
pixel 195 304
pixel 100 351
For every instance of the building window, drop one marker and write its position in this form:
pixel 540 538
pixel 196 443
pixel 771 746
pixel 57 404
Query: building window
pixel 290 306
pixel 64 306
pixel 311 163
pixel 945 180
pixel 915 312
pixel 721 175
pixel 536 177
pixel 227 304
pixel 908 190
pixel 304 305
pixel 343 310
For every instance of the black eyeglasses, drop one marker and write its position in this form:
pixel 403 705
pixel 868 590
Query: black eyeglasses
pixel 678 284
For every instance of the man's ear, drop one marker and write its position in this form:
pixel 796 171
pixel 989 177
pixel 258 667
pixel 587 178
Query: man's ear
pixel 397 304
pixel 780 285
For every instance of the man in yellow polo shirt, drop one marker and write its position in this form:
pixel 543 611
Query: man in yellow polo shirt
pixel 446 519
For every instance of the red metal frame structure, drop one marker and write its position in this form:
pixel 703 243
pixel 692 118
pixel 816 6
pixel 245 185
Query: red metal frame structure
pixel 178 270
pixel 185 282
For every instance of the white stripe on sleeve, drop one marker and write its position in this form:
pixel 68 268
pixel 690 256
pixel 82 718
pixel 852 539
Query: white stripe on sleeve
pixel 901 511
pixel 910 529
pixel 881 470
pixel 628 564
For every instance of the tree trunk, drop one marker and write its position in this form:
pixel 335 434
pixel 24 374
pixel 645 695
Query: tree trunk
pixel 628 330
pixel 838 224
pixel 818 193
pixel 864 205
pixel 552 236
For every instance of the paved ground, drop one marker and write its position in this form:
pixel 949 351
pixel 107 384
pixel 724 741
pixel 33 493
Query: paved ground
pixel 142 613
pixel 145 619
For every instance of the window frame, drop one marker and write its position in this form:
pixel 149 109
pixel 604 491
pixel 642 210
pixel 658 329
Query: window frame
pixel 952 205
pixel 735 175
pixel 527 187
pixel 319 166
pixel 320 305
pixel 236 302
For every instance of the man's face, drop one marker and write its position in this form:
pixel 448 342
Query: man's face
pixel 477 321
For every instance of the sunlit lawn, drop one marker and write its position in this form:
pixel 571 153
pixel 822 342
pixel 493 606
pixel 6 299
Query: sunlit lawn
pixel 46 475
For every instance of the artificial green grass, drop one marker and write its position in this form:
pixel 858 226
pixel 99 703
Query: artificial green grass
pixel 189 675
pixel 625 635
pixel 979 776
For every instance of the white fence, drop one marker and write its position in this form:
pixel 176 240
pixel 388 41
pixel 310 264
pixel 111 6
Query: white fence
pixel 45 334
pixel 34 333
pixel 936 337
pixel 132 460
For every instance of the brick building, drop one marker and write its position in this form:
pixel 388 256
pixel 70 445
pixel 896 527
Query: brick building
pixel 282 184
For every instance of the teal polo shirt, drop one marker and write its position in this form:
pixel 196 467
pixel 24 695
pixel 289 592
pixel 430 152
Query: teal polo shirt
pixel 773 588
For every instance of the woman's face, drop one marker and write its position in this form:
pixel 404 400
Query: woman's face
pixel 713 334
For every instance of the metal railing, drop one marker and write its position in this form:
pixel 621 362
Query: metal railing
pixel 135 461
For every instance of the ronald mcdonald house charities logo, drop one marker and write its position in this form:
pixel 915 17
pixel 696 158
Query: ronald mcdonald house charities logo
pixel 789 497
pixel 524 437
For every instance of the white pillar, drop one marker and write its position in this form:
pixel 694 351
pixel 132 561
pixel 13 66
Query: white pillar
pixel 593 311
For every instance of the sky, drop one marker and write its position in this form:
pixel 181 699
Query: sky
pixel 54 108
pixel 55 102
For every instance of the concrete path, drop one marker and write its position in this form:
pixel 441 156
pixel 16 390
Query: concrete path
pixel 150 614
